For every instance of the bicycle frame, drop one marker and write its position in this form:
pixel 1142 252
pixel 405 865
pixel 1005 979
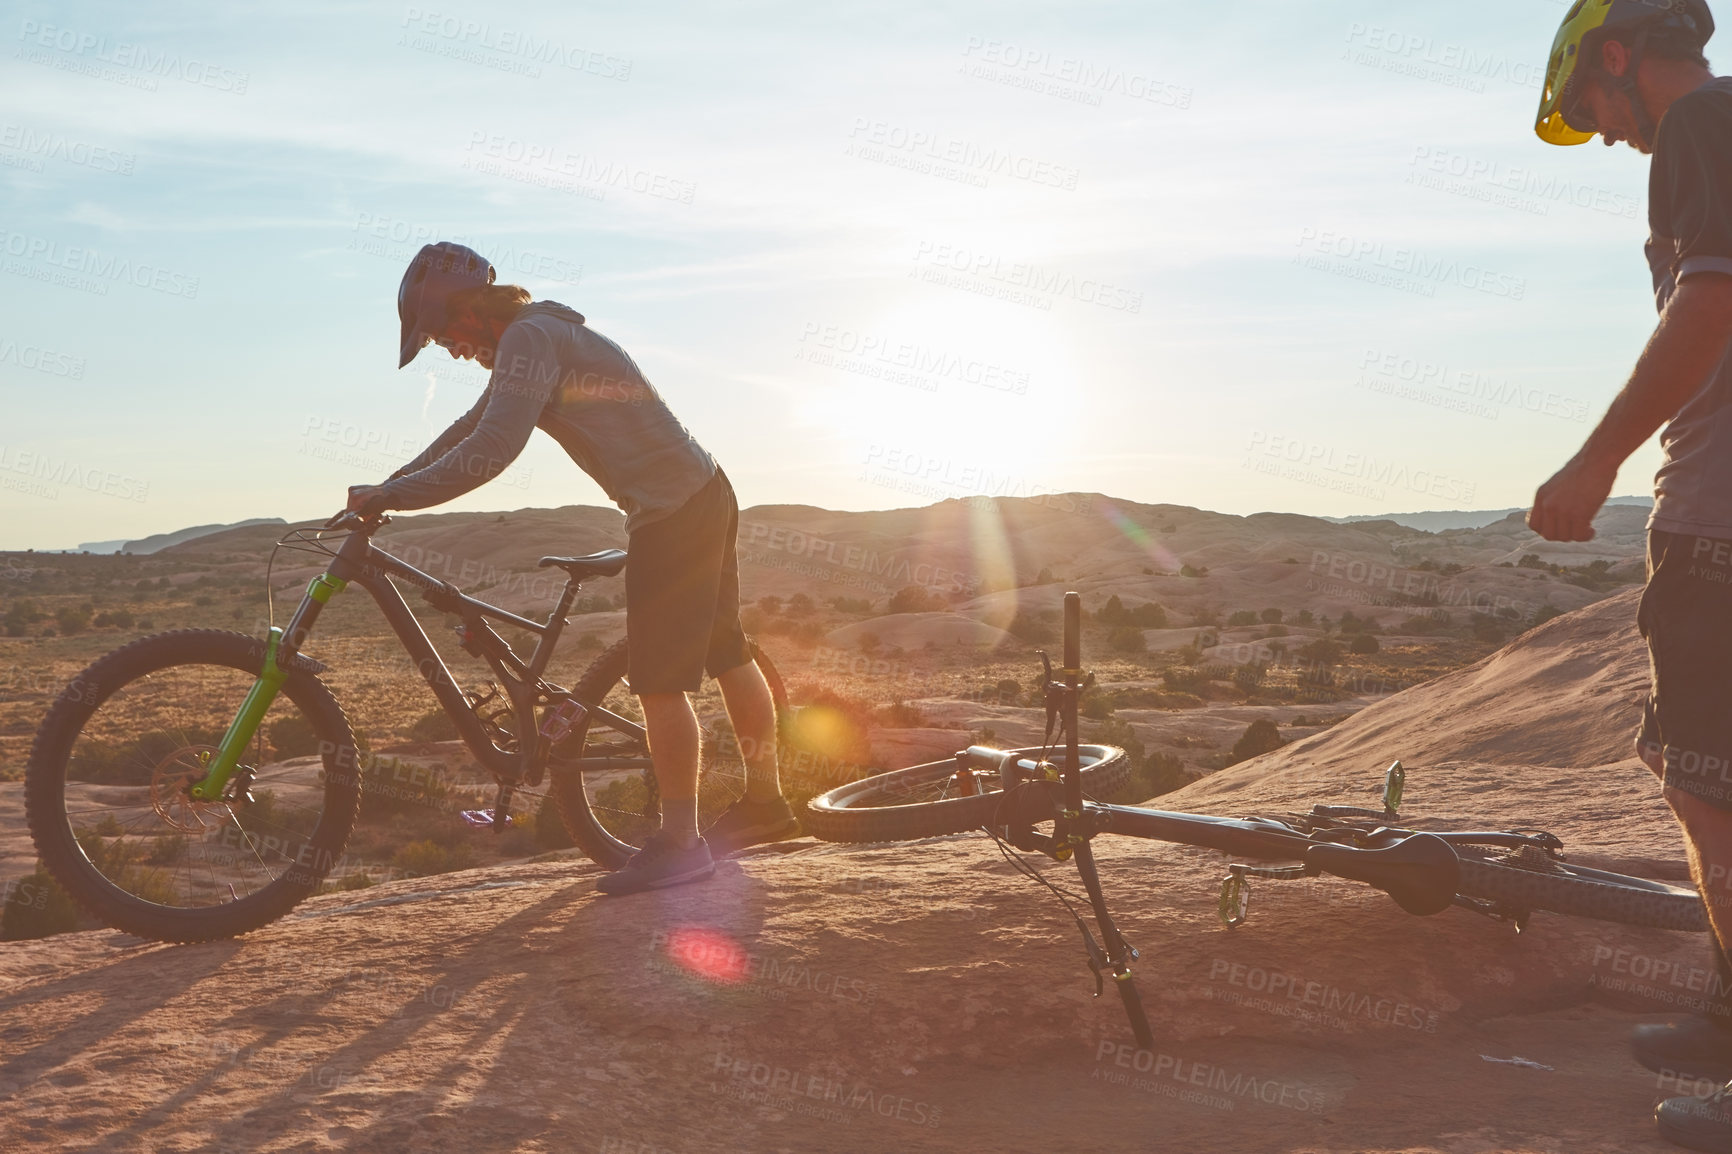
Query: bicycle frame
pixel 359 562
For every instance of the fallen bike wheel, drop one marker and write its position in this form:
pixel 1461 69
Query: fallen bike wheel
pixel 939 798
pixel 1520 882
pixel 106 795
pixel 601 775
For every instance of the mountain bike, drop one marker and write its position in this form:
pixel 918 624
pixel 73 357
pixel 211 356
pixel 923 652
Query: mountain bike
pixel 1504 874
pixel 200 783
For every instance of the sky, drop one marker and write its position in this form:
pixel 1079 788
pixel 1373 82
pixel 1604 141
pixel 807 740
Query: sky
pixel 1259 256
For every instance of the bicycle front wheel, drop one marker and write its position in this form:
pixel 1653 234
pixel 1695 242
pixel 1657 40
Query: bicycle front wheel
pixel 106 795
pixel 601 775
pixel 933 799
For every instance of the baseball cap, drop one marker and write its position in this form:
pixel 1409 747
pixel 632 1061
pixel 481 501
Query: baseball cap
pixel 437 271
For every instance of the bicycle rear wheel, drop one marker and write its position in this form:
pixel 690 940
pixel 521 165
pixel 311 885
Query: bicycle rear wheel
pixel 105 790
pixel 931 799
pixel 1523 881
pixel 610 809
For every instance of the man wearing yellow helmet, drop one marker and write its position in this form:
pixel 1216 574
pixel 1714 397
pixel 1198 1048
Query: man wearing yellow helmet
pixel 1633 70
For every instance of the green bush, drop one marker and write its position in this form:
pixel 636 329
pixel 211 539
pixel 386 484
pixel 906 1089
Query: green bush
pixel 1259 737
pixel 914 599
pixel 1363 643
pixel 1271 616
pixel 72 618
pixel 434 725
pixel 1242 617
pixel 390 785
pixel 425 858
pixel 550 831
pixel 292 735
pixel 1151 774
pixel 36 907
pixel 1127 639
pixel 1032 626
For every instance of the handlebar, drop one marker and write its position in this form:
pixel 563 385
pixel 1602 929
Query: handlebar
pixel 349 519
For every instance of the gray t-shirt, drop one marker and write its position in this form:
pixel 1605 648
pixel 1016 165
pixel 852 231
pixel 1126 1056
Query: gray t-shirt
pixel 1690 232
pixel 554 372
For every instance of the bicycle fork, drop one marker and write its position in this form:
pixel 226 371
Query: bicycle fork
pixel 1072 832
pixel 241 731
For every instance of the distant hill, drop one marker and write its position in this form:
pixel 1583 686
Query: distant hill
pixel 163 540
pixel 1438 520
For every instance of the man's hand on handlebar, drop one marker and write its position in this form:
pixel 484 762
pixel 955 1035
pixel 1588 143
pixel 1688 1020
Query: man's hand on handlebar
pixel 367 500
pixel 366 503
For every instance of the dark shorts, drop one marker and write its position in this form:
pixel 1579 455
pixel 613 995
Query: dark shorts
pixel 1686 618
pixel 682 595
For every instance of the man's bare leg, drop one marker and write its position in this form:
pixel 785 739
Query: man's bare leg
pixel 752 712
pixel 672 729
pixel 1708 844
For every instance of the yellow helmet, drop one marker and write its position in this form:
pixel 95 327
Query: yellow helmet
pixel 1580 34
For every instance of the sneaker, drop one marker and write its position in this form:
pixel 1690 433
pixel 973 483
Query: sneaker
pixel 1698 1123
pixel 662 861
pixel 1691 1049
pixel 748 822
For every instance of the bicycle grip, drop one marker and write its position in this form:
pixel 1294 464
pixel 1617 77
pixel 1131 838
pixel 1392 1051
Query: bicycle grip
pixel 1072 630
pixel 1134 1011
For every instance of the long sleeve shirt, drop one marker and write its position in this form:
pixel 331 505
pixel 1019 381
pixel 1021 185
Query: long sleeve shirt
pixel 554 372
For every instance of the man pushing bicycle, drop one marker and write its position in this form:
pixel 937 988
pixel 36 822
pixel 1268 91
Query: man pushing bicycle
pixel 1633 70
pixel 551 371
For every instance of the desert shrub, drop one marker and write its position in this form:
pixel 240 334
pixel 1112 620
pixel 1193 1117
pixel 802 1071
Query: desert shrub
pixel 119 618
pixel 434 725
pixel 1323 650
pixel 132 762
pixel 1096 704
pixel 1259 737
pixel 292 736
pixel 1242 617
pixel 914 599
pixel 1127 639
pixel 424 858
pixel 1544 614
pixel 1249 677
pixel 1185 679
pixel 390 785
pixel 900 715
pixel 36 907
pixel 851 604
pixel 1032 626
pixel 550 831
pixel 800 605
pixel 1271 616
pixel 1149 615
pixel 72 618
pixel 1007 692
pixel 770 603
pixel 1151 774
pixel 1363 643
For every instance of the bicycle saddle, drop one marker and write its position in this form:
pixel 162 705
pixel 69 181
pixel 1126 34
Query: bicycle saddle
pixel 1420 871
pixel 603 564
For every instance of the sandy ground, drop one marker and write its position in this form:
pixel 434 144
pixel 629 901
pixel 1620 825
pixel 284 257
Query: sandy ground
pixel 923 996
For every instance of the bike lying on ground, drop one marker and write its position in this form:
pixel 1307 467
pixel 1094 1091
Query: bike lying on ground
pixel 1506 874
pixel 199 783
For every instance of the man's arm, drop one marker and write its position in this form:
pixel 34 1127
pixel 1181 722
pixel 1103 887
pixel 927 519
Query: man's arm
pixel 1687 346
pixel 460 428
pixel 524 375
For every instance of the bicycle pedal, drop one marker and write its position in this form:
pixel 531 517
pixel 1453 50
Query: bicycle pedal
pixel 483 819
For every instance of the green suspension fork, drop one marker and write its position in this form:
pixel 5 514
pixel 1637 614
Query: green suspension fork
pixel 258 701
